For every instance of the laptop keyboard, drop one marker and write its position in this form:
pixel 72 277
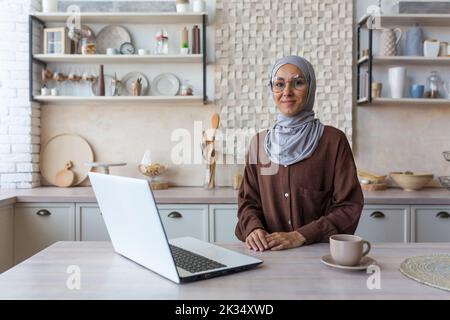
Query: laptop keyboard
pixel 193 262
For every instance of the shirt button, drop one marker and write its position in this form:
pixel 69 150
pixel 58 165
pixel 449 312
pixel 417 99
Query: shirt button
pixel 286 195
pixel 285 166
pixel 289 222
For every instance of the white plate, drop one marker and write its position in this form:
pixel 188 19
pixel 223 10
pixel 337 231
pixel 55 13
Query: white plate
pixel 363 264
pixel 166 84
pixel 129 78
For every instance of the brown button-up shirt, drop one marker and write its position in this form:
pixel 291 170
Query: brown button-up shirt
pixel 318 197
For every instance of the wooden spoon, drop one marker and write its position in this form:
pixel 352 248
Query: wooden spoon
pixel 65 177
pixel 215 120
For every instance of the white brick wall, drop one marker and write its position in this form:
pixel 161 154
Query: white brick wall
pixel 19 118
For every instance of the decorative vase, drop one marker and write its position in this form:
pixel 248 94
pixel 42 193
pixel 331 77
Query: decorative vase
pixel 414 41
pixel 101 82
pixel 389 40
pixel 397 80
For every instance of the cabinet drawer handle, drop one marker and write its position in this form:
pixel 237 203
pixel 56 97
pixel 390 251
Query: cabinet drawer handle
pixel 43 213
pixel 443 215
pixel 175 215
pixel 377 215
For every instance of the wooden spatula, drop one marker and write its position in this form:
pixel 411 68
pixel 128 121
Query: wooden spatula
pixel 215 120
pixel 65 177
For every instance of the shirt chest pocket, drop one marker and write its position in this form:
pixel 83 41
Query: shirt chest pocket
pixel 314 203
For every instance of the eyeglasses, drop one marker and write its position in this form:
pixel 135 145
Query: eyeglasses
pixel 278 84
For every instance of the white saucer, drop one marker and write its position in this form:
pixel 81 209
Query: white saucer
pixel 363 265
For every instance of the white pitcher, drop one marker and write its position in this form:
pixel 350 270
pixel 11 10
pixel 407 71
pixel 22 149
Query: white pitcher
pixel 397 81
pixel 389 40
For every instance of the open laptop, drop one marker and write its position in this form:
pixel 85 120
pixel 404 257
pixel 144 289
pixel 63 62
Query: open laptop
pixel 136 231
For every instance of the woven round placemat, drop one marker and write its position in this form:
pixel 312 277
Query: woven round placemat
pixel 432 270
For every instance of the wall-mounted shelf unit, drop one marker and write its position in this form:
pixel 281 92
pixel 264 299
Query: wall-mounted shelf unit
pixel 388 21
pixel 95 99
pixel 399 20
pixel 104 58
pixel 119 18
pixel 406 60
pixel 405 101
pixel 126 17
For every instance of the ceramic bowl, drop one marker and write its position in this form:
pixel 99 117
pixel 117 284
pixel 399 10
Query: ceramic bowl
pixel 410 181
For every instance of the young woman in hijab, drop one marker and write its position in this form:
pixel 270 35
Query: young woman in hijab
pixel 300 184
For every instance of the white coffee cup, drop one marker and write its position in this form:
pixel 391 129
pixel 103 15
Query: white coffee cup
pixel 111 51
pixel 54 91
pixel 347 249
pixel 45 91
pixel 142 52
pixel 397 81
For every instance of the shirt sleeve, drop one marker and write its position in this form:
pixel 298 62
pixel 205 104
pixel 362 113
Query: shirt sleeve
pixel 250 213
pixel 347 201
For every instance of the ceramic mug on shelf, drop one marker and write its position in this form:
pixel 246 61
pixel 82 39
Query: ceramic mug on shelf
pixel 416 91
pixel 142 52
pixel 431 48
pixel 111 51
pixel 397 80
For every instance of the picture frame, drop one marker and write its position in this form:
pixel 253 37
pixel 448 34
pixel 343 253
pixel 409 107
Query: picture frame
pixel 56 41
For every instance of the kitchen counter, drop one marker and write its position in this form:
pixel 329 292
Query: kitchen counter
pixel 223 195
pixel 290 274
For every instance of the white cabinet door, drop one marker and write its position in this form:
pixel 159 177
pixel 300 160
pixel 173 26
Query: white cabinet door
pixel 6 238
pixel 38 225
pixel 431 223
pixel 90 223
pixel 222 223
pixel 385 223
pixel 185 220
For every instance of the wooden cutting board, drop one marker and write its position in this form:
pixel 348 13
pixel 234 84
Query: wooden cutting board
pixel 65 177
pixel 62 148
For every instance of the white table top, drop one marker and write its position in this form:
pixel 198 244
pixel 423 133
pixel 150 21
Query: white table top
pixel 291 274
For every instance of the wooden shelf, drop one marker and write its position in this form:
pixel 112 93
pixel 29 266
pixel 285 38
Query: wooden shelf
pixel 405 60
pixel 125 17
pixel 397 20
pixel 103 58
pixel 121 99
pixel 405 101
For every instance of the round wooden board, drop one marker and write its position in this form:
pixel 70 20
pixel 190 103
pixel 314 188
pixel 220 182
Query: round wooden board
pixel 63 148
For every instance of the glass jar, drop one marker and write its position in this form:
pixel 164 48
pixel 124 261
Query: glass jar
pixel 162 43
pixel 434 84
pixel 87 46
pixel 186 89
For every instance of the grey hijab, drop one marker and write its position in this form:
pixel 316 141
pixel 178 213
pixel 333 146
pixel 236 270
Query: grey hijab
pixel 293 139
